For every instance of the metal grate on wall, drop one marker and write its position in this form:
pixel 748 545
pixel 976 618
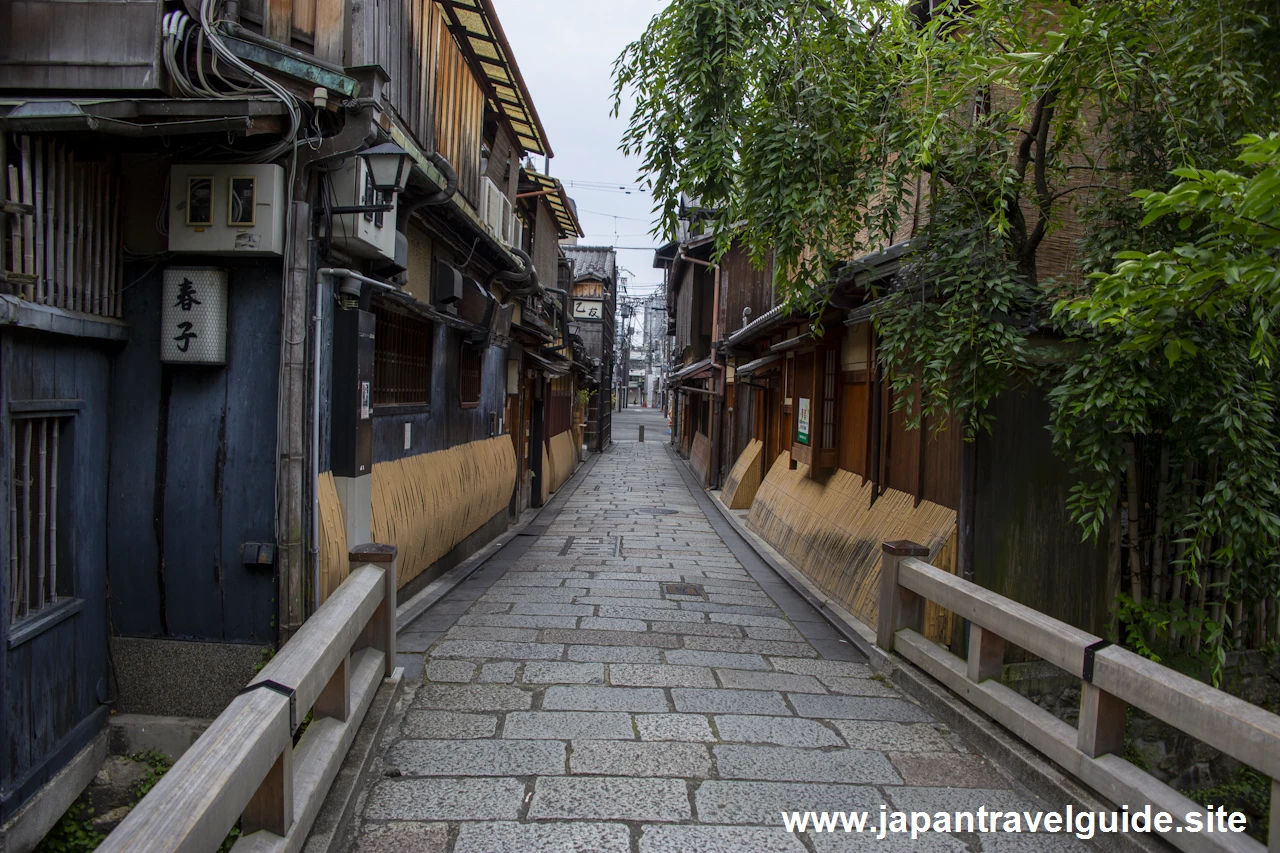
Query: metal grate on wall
pixel 401 357
pixel 33 514
pixel 470 364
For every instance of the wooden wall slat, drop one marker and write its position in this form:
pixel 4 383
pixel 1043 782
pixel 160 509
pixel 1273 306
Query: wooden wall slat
pixel 330 30
pixel 277 23
pixel 304 17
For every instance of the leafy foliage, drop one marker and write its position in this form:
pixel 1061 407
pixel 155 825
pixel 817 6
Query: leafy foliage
pixel 73 833
pixel 817 132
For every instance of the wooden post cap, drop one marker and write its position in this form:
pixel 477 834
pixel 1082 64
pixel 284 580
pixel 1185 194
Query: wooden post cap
pixel 373 553
pixel 904 548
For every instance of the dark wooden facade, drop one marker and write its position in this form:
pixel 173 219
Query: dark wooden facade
pixel 1024 544
pixel 53 664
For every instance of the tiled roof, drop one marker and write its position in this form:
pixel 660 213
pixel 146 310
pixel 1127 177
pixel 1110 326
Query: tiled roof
pixel 598 262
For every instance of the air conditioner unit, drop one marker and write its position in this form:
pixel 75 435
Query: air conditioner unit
pixel 515 231
pixel 364 235
pixel 493 202
pixel 226 209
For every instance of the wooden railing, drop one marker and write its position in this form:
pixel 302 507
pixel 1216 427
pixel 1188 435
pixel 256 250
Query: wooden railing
pixel 1112 678
pixel 245 766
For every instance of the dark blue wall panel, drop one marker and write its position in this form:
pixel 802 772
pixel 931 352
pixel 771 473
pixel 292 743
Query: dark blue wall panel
pixel 49 683
pixel 444 423
pixel 193 471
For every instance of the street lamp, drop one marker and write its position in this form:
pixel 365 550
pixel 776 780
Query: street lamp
pixel 388 167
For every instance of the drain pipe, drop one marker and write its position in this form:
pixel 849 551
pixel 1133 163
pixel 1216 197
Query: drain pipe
pixel 530 275
pixel 450 185
pixel 317 320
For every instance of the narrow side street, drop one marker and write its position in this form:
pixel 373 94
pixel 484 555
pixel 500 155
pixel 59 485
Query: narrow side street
pixel 628 685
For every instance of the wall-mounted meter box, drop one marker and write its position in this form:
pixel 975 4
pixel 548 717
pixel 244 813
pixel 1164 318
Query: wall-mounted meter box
pixel 227 209
pixel 363 235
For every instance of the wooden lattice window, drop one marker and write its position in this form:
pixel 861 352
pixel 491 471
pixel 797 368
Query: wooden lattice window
pixel 401 357
pixel 830 372
pixel 470 364
pixel 36 578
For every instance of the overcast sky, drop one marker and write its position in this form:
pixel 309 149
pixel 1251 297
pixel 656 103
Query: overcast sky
pixel 565 50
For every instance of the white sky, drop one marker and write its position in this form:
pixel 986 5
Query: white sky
pixel 565 50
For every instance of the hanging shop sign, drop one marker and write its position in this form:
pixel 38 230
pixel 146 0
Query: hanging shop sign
pixel 802 421
pixel 193 317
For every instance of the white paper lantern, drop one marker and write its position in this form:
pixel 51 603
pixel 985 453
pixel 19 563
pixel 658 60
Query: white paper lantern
pixel 193 318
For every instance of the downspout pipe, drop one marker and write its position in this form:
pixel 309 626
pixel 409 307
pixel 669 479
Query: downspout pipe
pixel 450 185
pixel 564 306
pixel 316 322
pixel 336 274
pixel 529 275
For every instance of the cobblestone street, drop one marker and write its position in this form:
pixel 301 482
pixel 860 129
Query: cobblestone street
pixel 627 684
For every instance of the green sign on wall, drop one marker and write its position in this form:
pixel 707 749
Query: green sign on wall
pixel 802 421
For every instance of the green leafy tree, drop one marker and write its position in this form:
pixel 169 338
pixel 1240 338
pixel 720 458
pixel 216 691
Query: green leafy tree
pixel 1180 356
pixel 815 132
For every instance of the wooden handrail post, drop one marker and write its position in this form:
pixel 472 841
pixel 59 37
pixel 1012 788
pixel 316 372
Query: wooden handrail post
pixel 335 700
pixel 1102 721
pixel 272 805
pixel 1273 843
pixel 986 654
pixel 381 633
pixel 899 608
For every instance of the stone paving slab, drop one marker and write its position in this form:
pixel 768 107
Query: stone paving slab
pixel 567 702
pixel 718 839
pixel 478 757
pixel 599 798
pixel 763 802
pixel 648 759
pixel 566 725
pixel 510 837
pixel 784 764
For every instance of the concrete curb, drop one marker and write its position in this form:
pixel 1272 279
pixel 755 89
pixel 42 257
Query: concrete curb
pixel 333 830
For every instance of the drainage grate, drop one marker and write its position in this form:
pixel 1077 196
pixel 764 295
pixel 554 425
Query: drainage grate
pixel 683 589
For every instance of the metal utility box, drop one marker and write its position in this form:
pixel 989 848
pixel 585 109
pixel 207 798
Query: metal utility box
pixel 446 288
pixel 227 209
pixel 353 337
pixel 364 235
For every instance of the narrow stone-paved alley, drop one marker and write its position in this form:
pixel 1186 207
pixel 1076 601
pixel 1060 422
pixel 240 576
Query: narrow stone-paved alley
pixel 627 684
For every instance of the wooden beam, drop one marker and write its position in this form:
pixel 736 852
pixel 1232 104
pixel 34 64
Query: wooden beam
pixel 1057 642
pixel 986 654
pixel 271 807
pixel 899 607
pixel 380 633
pixel 334 700
pixel 1102 719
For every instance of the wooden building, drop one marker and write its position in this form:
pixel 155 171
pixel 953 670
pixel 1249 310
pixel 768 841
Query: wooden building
pixel 802 429
pixel 595 299
pixel 228 350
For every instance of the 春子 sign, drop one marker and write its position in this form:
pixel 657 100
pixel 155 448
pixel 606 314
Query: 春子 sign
pixel 193 316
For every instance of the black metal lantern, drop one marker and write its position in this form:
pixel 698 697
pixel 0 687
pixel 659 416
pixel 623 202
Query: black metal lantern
pixel 388 166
